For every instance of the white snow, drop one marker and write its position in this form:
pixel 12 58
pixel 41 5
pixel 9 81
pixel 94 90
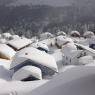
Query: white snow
pixel 48 41
pixel 91 64
pixel 40 44
pixel 71 54
pixel 69 47
pixel 92 40
pixel 6 52
pixel 61 33
pixel 27 71
pixel 59 59
pixel 87 49
pixel 88 34
pixel 61 40
pixel 68 67
pixel 75 33
pixel 5 63
pixel 75 69
pixel 15 37
pixel 6 35
pixel 19 43
pixel 86 60
pixel 43 45
pixel 46 35
pixel 3 41
pixel 75 81
pixel 35 55
pixel 84 42
pixel 19 88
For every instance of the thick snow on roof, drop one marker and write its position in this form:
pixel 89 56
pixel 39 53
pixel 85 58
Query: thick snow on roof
pixel 48 41
pixel 35 55
pixel 92 40
pixel 19 43
pixel 46 35
pixel 5 63
pixel 69 47
pixel 70 54
pixel 84 42
pixel 61 33
pixel 3 41
pixel 88 50
pixel 35 45
pixel 75 32
pixel 43 45
pixel 6 35
pixel 88 34
pixel 40 44
pixel 27 71
pixel 6 52
pixel 15 37
pixel 34 39
pixel 61 40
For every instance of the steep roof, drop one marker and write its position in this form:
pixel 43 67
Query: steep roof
pixel 34 55
pixel 19 43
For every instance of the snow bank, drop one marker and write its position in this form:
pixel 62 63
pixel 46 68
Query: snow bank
pixel 68 67
pixel 75 81
pixel 19 88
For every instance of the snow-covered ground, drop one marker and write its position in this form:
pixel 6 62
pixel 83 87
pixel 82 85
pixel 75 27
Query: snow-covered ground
pixel 18 87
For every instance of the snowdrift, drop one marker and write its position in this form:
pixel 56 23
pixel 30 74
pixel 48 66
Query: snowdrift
pixel 75 81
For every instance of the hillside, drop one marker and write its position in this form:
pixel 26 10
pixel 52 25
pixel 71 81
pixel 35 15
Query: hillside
pixel 23 19
pixel 41 2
